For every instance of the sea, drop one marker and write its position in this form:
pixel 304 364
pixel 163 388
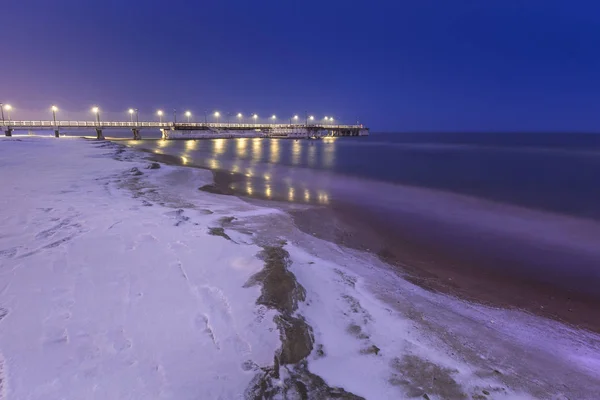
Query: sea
pixel 554 172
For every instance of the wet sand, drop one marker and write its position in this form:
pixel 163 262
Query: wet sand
pixel 491 271
pixel 495 271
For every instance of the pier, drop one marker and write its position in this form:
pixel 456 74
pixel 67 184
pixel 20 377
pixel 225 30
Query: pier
pixel 193 130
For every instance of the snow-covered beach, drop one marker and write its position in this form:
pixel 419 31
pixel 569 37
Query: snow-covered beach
pixel 120 281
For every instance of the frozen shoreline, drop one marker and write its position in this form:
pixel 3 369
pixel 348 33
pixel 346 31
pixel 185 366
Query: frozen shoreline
pixel 113 287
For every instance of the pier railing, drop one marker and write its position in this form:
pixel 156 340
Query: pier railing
pixel 164 125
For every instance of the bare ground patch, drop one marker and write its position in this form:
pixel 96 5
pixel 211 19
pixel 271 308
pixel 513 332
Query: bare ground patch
pixel 289 376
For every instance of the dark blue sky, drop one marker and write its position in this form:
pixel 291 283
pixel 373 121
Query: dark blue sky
pixel 397 65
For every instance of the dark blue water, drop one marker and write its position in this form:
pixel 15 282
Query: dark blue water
pixel 553 172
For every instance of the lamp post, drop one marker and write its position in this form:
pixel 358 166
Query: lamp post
pixel 2 110
pixel 8 107
pixel 240 116
pixel 255 117
pixel 99 135
pixel 174 116
pixel 217 115
pixel 54 110
pixel 205 117
pixel 188 114
pixel 160 114
pixel 96 111
pixel 274 118
pixel 131 111
pixel 295 119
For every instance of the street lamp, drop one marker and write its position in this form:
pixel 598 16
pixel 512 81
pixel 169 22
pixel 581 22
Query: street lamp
pixel 160 114
pixel 131 111
pixel 217 115
pixel 273 117
pixel 255 117
pixel 96 111
pixel 2 110
pixel 8 107
pixel 240 116
pixel 54 110
pixel 188 114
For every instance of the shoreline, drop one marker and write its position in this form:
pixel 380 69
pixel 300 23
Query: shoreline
pixel 441 266
pixel 435 264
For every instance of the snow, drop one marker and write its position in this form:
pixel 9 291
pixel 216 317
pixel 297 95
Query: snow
pixel 111 287
pixel 107 298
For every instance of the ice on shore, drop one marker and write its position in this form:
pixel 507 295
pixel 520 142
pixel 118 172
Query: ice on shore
pixel 122 282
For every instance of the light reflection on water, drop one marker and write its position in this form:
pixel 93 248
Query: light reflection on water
pixel 328 153
pixel 219 146
pixel 312 158
pixel 268 191
pixel 274 158
pixel 257 144
pixel 273 191
pixel 214 163
pixel 191 145
pixel 296 152
pixel 266 168
pixel 241 147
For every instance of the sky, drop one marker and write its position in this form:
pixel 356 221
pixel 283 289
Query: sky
pixel 397 65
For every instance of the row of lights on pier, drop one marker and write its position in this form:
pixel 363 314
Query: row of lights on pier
pixel 216 114
pixel 160 114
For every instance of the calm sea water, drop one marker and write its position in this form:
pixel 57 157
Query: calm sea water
pixel 559 173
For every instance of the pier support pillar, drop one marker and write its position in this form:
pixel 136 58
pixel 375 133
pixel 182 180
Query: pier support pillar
pixel 56 133
pixel 99 135
pixel 136 134
pixel 8 132
pixel 164 134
